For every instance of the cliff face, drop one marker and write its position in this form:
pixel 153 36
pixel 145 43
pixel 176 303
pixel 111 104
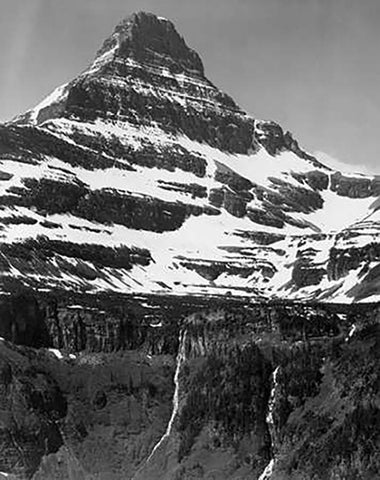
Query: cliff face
pixel 32 404
pixel 94 416
pixel 184 391
pixel 262 396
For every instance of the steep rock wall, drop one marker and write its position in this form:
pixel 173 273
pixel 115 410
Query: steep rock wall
pixel 254 384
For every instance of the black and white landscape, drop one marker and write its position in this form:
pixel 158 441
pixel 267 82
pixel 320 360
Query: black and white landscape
pixel 186 293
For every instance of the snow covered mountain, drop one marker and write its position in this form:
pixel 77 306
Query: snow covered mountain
pixel 141 176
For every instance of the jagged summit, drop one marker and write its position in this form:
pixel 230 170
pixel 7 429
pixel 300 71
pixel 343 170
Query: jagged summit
pixel 146 37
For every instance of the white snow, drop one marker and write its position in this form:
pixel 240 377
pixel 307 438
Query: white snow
pixel 56 352
pixel 146 181
pixel 206 92
pixel 56 96
pixel 267 473
pixel 257 166
pixel 156 325
pixel 351 332
pixel 338 212
pixel 200 240
pixel 371 299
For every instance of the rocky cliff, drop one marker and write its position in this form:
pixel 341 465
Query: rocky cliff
pixel 225 390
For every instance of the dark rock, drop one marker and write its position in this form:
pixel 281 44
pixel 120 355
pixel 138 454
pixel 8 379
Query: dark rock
pixel 216 197
pixel 100 400
pixel 262 238
pixel 341 261
pixel 5 176
pixel 235 181
pixel 234 204
pixel 316 179
pixel 271 136
pixel 263 217
pixel 196 191
pixel 305 273
pixel 355 187
pixel 226 379
pixel 297 199
pixel 292 145
pixel 31 405
pixel 146 38
pixel 22 320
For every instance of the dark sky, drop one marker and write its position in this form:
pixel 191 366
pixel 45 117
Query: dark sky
pixel 311 65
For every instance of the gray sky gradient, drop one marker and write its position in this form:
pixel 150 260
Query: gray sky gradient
pixel 311 65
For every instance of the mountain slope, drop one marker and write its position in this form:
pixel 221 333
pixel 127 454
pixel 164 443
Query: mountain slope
pixel 141 176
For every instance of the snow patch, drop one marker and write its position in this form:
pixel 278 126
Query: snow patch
pixel 156 325
pixel 267 473
pixel 56 352
pixel 338 212
pixel 351 332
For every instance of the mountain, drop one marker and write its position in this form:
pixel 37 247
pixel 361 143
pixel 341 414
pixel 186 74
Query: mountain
pixel 186 293
pixel 142 155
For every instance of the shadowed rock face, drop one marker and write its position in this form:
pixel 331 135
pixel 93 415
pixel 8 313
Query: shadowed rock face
pixel 355 187
pixel 32 404
pixel 146 37
pixel 22 321
pixel 255 383
pixel 146 52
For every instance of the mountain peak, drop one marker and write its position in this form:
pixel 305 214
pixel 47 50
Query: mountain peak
pixel 154 40
pixel 141 151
